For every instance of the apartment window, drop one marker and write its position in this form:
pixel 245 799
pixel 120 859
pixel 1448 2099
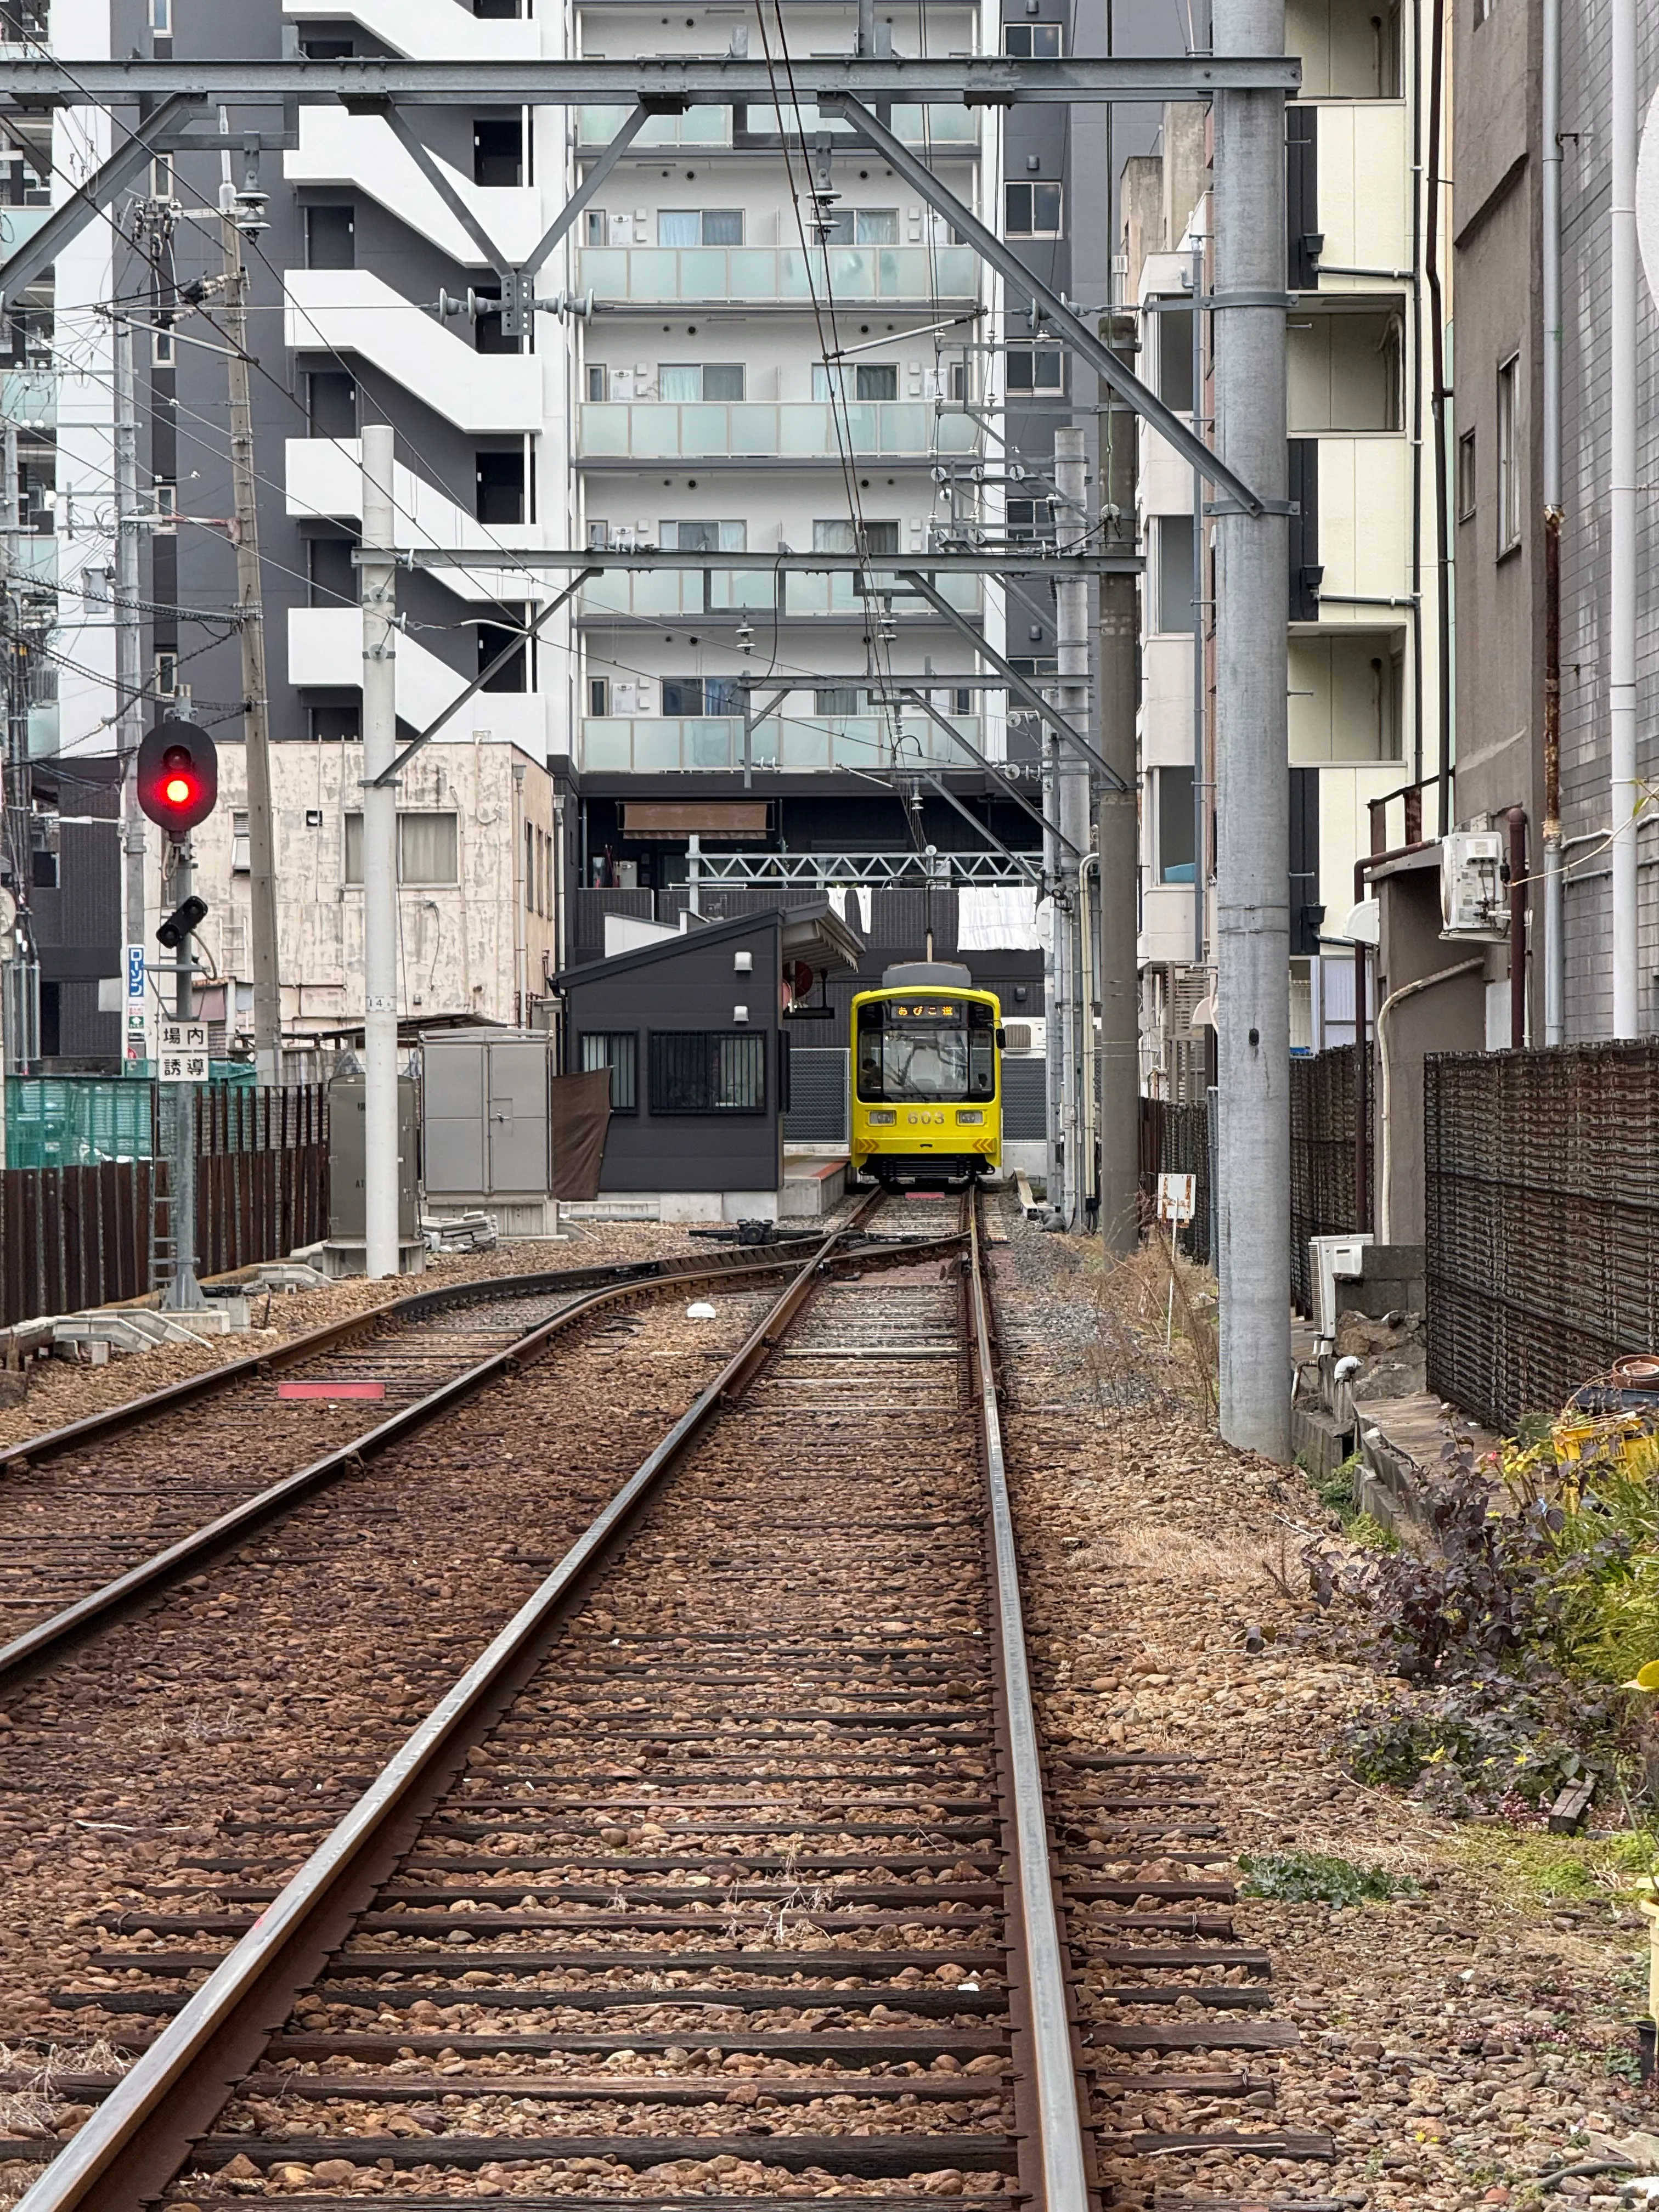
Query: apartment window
pixel 530 867
pixel 1510 462
pixel 160 178
pixel 703 537
pixel 331 238
pixel 595 226
pixel 498 152
pixel 619 1051
pixel 1036 368
pixel 163 354
pixel 864 227
pixel 1024 520
pixel 1174 338
pixel 708 1072
pixel 1465 478
pixel 1483 8
pixel 333 576
pixel 596 376
pixel 499 479
pixel 701 694
pixel 839 699
pixel 335 726
pixel 1175 825
pixel 1033 42
pixel 840 536
pixel 166 505
pixel 860 380
pixel 599 694
pixel 165 682
pixel 699 226
pixel 683 380
pixel 331 403
pixel 327 49
pixel 160 18
pixel 241 856
pixel 1031 210
pixel 1175 571
pixel 496 638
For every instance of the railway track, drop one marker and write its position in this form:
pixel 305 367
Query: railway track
pixel 96 1518
pixel 727 1870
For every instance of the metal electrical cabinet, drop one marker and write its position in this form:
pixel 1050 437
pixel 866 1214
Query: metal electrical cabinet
pixel 346 1155
pixel 487 1126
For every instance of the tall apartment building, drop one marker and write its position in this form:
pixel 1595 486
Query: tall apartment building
pixel 1499 152
pixel 765 342
pixel 1365 649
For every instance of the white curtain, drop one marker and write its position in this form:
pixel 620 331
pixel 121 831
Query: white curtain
pixel 996 918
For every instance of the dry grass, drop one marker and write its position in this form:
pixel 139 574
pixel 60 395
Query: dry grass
pixel 1212 1561
pixel 1130 1362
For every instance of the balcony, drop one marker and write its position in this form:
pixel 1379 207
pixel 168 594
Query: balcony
pixel 426 30
pixel 771 275
pixel 1364 524
pixel 609 432
pixel 354 311
pixel 955 130
pixel 18 225
pixel 1363 166
pixel 360 151
pixel 671 593
pixel 619 744
pixel 325 647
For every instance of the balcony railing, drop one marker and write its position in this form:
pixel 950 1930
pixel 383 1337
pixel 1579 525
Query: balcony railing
pixel 668 275
pixel 760 591
pixel 957 127
pixel 807 429
pixel 638 746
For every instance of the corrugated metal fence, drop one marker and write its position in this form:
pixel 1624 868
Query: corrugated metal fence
pixel 1542 1221
pixel 80 1234
pixel 1323 1112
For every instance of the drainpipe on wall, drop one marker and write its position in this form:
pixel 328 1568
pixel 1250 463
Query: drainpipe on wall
pixel 1517 822
pixel 1554 944
pixel 1621 504
pixel 1441 393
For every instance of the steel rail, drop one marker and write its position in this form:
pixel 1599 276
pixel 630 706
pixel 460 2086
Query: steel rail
pixel 1059 2134
pixel 135 2142
pixel 48 1640
pixel 661 80
pixel 417 1306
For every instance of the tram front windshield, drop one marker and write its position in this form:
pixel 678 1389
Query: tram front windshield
pixel 934 1050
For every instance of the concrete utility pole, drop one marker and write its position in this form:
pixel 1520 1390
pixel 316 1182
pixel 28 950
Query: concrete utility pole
pixel 129 638
pixel 1071 814
pixel 256 717
pixel 1252 748
pixel 1621 515
pixel 1117 841
pixel 379 860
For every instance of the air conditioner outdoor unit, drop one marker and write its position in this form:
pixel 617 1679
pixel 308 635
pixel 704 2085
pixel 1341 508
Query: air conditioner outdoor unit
pixel 1474 897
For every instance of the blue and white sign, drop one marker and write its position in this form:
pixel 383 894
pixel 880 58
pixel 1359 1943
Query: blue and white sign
pixel 136 1020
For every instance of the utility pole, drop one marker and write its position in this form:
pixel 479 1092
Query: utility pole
pixel 125 615
pixel 378 574
pixel 256 716
pixel 1071 815
pixel 1116 842
pixel 1253 1009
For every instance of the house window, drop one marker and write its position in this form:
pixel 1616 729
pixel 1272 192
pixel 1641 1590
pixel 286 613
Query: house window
pixel 1465 478
pixel 1174 326
pixel 429 848
pixel 1510 462
pixel 703 537
pixel 1036 368
pixel 619 1051
pixel 160 178
pixel 708 1072
pixel 166 675
pixel 530 867
pixel 1175 571
pixel 163 353
pixel 596 224
pixel 599 694
pixel 691 381
pixel 1033 42
pixel 864 227
pixel 595 381
pixel 700 227
pixel 160 18
pixel 866 380
pixel 498 152
pixel 701 694
pixel 241 858
pixel 1031 210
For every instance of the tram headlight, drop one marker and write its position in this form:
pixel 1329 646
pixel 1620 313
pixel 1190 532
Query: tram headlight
pixel 881 1120
pixel 975 1116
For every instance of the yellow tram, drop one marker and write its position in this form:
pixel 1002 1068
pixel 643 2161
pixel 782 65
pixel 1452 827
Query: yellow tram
pixel 926 1078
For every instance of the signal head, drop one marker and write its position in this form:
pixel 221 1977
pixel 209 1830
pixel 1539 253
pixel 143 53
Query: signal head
pixel 178 776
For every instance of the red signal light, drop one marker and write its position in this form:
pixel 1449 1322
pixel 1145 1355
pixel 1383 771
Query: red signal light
pixel 178 776
pixel 177 790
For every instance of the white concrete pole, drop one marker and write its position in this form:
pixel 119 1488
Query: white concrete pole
pixel 1252 748
pixel 1072 799
pixel 1622 507
pixel 380 862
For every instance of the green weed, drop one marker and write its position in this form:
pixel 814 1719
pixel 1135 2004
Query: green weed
pixel 1317 1878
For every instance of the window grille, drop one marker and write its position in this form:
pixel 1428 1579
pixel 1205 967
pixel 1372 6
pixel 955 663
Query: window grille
pixel 708 1072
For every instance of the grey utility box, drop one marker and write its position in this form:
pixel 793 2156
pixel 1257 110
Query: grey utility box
pixel 347 1223
pixel 487 1131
